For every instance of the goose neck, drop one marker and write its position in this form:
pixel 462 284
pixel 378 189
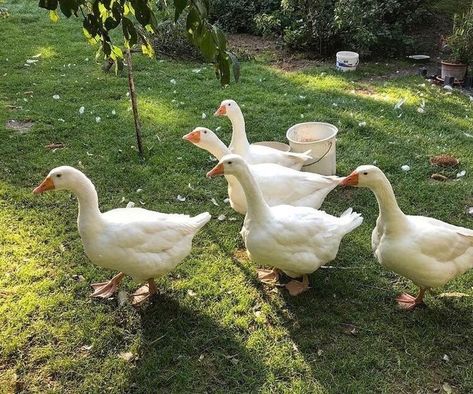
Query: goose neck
pixel 88 201
pixel 257 208
pixel 217 149
pixel 389 211
pixel 239 143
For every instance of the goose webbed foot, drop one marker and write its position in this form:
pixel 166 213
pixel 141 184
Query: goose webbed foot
pixel 107 289
pixel 409 303
pixel 144 293
pixel 296 287
pixel 268 276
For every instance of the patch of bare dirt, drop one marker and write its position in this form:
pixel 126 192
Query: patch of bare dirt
pixel 19 126
pixel 246 46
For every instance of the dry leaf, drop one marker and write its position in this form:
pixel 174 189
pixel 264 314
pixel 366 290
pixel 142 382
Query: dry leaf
pixel 447 388
pixel 349 329
pixel 444 160
pixel 439 177
pixel 127 356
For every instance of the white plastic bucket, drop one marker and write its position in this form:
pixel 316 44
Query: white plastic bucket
pixel 320 139
pixel 347 61
pixel 275 144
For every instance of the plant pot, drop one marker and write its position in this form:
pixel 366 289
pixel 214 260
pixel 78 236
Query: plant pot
pixel 455 70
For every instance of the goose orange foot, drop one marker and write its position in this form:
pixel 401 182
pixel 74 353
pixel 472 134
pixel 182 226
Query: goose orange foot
pixel 296 287
pixel 144 293
pixel 408 302
pixel 268 276
pixel 107 289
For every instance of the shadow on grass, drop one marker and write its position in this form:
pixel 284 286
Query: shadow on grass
pixel 186 351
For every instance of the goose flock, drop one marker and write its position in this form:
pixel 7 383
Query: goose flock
pixel 284 228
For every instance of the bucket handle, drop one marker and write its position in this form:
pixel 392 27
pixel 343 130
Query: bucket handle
pixel 321 157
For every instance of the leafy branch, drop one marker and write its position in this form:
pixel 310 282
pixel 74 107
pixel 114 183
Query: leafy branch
pixel 100 17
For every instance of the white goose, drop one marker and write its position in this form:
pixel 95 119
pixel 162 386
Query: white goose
pixel 256 154
pixel 141 243
pixel 425 250
pixel 296 240
pixel 279 185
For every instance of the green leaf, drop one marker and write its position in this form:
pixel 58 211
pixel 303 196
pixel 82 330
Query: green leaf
pixel 92 25
pixel 202 8
pixel 193 25
pixel 129 32
pixel 114 20
pixel 107 47
pixel 219 37
pixel 207 46
pixel 223 62
pixel 142 11
pixel 48 4
pixel 53 15
pixel 179 6
pixel 68 7
pixel 146 47
pixel 235 65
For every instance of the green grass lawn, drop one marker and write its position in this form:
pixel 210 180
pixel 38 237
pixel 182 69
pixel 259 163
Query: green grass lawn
pixel 214 328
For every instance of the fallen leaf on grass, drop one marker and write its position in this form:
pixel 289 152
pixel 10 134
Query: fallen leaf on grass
pixel 444 160
pixel 58 145
pixel 439 177
pixel 447 388
pixel 214 202
pixel 127 356
pixel 180 198
pixel 191 293
pixel 349 329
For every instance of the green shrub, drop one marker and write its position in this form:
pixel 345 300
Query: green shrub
pixel 324 26
pixel 239 16
pixel 460 42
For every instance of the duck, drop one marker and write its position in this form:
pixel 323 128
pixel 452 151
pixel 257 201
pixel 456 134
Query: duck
pixel 279 185
pixel 295 240
pixel 425 250
pixel 141 243
pixel 256 154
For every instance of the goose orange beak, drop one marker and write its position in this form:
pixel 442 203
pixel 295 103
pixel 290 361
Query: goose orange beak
pixel 46 185
pixel 221 111
pixel 216 171
pixel 350 180
pixel 193 136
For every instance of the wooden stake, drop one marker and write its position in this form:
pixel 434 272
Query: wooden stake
pixel 134 106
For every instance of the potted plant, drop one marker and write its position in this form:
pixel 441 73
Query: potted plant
pixel 458 47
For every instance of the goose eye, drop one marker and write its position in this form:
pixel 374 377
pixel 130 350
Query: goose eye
pixel 229 104
pixel 229 162
pixel 205 131
pixel 365 173
pixel 58 175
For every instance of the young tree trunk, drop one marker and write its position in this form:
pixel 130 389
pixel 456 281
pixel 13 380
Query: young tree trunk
pixel 134 106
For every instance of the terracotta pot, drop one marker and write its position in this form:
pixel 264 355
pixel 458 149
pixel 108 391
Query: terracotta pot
pixel 455 70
